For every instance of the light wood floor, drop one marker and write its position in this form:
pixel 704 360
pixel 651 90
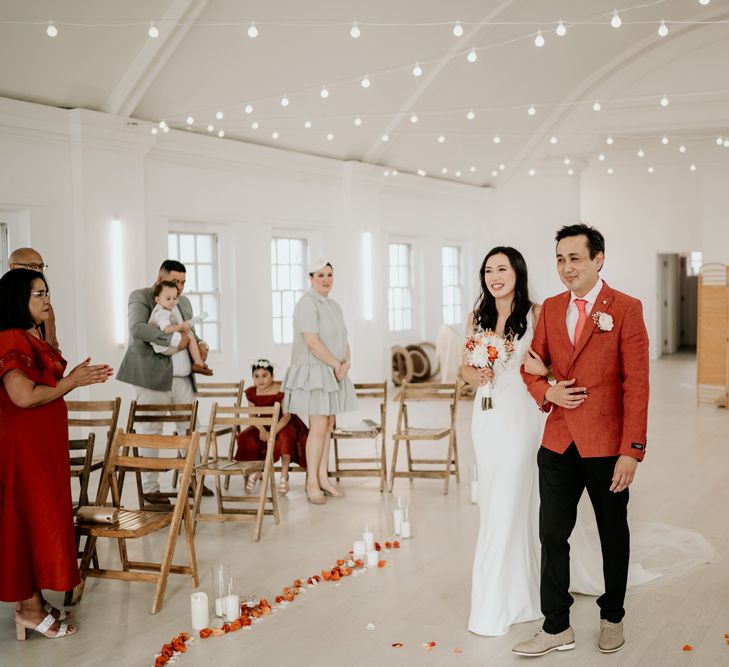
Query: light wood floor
pixel 422 594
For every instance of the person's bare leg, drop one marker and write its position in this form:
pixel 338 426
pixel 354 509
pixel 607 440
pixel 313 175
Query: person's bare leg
pixel 324 482
pixel 195 352
pixel 318 429
pixel 283 485
pixel 29 613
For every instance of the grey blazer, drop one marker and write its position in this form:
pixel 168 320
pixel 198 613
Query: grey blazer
pixel 141 365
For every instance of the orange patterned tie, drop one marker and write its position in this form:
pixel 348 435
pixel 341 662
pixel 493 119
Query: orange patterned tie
pixel 581 318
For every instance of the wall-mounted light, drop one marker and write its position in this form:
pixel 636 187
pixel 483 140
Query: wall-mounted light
pixel 367 306
pixel 117 266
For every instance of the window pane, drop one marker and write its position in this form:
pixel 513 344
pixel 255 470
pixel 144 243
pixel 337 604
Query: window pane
pixel 277 331
pixel 191 284
pixel 187 248
pixel 172 246
pixel 205 278
pixel 210 306
pixel 282 250
pixel 404 255
pixel 283 278
pixel 403 277
pixel 211 335
pixel 288 329
pixel 273 251
pixel 195 303
pixel 297 252
pixel 205 248
pixel 297 278
pixel 276 304
pixel 288 303
pixel 274 279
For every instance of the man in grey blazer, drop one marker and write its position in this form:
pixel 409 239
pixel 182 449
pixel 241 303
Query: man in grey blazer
pixel 158 378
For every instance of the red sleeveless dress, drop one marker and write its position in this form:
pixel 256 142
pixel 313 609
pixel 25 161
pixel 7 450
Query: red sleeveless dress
pixel 290 440
pixel 37 548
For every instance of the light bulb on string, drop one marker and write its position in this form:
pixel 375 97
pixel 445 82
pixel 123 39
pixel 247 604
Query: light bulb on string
pixel 570 172
pixel 221 134
pixel 421 172
pixel 610 171
pixel 385 138
pixel 472 56
pixel 254 125
pixel 567 162
pixel 553 140
pixel 162 124
pixel 358 121
pixel 154 130
pixel 704 2
pixel 641 152
pixel 52 30
pixel 561 29
pixel 307 124
pixel 472 169
pixel 166 129
pixel 458 174
pixel 219 115
pixel 417 70
pixel 471 114
pixel 386 172
pixel 497 139
pixel 726 143
pixel 615 21
pixel 692 167
pixel 609 141
pixel 601 157
pixel 324 93
pixel 275 135
pixel 413 119
pixel 494 173
pixel 664 140
pixel 252 31
pixel 189 120
pixel 662 29
pixel 596 105
pixel 211 128
pixel 355 31
pixel 284 101
pixel 441 139
pixel 330 136
pixel 365 83
pixel 444 170
pixel 682 149
pixel 664 101
pixel 457 29
pixel 719 141
pixel 539 39
pixel 153 31
pixel 531 110
pixel 248 108
pixel 532 171
pixel 651 170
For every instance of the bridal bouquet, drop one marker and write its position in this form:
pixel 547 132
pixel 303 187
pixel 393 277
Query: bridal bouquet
pixel 486 349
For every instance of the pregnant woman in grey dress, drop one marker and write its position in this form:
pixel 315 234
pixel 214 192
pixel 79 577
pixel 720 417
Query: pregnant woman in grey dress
pixel 317 384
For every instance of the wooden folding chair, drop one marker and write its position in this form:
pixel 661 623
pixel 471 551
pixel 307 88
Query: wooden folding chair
pixel 81 452
pixel 404 431
pixel 266 502
pixel 366 430
pixel 232 394
pixel 158 413
pixel 91 415
pixel 134 524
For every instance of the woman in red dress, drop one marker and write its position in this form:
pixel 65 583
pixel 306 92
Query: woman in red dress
pixel 291 432
pixel 37 549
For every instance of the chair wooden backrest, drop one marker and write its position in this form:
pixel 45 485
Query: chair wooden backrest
pixel 237 418
pixel 132 524
pixel 94 414
pixel 426 392
pixel 81 451
pixel 233 392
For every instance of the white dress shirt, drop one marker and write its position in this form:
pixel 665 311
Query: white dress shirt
pixel 573 313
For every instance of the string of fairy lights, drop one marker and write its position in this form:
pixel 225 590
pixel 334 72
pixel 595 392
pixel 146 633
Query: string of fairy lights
pixel 237 114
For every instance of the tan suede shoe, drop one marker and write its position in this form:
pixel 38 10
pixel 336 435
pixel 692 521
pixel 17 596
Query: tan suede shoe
pixel 611 636
pixel 542 643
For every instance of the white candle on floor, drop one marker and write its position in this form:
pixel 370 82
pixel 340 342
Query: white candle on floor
pixel 397 517
pixel 359 549
pixel 474 491
pixel 369 539
pixel 219 606
pixel 405 530
pixel 372 558
pixel 200 611
pixel 232 607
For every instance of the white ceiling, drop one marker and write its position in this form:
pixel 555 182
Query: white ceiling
pixel 203 61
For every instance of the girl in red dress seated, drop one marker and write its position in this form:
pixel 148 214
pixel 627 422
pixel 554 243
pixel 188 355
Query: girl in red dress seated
pixel 291 432
pixel 37 547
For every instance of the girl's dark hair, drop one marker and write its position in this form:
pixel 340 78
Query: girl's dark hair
pixel 162 284
pixel 484 310
pixel 262 363
pixel 15 288
pixel 311 275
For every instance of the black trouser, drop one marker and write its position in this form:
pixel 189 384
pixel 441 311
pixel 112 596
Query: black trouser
pixel 562 479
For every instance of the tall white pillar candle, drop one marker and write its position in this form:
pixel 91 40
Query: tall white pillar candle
pixel 405 530
pixel 219 606
pixel 474 491
pixel 397 518
pixel 359 549
pixel 232 607
pixel 369 539
pixel 372 558
pixel 200 611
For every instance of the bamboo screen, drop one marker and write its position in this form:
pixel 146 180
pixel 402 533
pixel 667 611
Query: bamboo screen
pixel 712 345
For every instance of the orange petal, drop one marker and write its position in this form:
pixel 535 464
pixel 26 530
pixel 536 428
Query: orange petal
pixel 378 547
pixel 397 645
pixel 396 545
pixel 381 564
pixel 340 562
pixel 205 633
pixel 688 647
pixel 388 545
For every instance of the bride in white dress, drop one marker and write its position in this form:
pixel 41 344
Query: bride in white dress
pixel 505 583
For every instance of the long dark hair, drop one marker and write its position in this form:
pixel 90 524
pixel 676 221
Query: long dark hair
pixel 484 310
pixel 15 287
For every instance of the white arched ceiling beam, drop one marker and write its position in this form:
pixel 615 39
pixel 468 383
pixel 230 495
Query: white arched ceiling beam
pixel 586 88
pixel 155 53
pixel 375 151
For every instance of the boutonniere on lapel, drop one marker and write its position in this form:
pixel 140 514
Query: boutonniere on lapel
pixel 603 321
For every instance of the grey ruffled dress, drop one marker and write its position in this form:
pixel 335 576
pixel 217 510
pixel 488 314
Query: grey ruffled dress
pixel 310 386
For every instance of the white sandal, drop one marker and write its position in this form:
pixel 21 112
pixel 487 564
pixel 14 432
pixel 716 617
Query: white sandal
pixel 62 615
pixel 43 627
pixel 251 482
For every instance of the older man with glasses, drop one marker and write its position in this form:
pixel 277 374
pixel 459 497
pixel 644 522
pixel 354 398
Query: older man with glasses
pixel 29 258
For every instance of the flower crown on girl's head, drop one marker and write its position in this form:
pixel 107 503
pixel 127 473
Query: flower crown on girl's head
pixel 262 363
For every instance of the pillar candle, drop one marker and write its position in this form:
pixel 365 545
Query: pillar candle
pixel 359 549
pixel 200 611
pixel 372 558
pixel 474 491
pixel 397 517
pixel 219 606
pixel 232 607
pixel 369 539
pixel 405 531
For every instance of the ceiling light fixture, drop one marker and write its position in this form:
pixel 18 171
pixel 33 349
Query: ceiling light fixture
pixel 682 149
pixel 472 170
pixel 470 115
pixel 664 140
pixel 275 135
pixel 221 134
pixel 358 121
pixel 154 130
pixel 253 31
pixel 651 170
pixel 609 141
pixel 532 171
pixel 531 110
pixel 552 140
pixel 502 166
pixel 472 56
pixel 413 119
pixel 417 70
pixel 497 139
pixel 539 39
pixel 307 124
pixel 664 101
pixel 365 83
pixel 596 106
pixel 219 115
pixel 210 128
pixel 254 125
pixel 692 167
pixel 284 101
pixel 153 31
pixel 51 30
pixel 330 136
pixel 601 157
pixel 641 152
pixel 324 92
pixel 385 137
pixel 457 29
pixel 190 120
pixel 567 161
pixel 662 29
pixel 561 29
pixel 248 108
pixel 355 31
pixel 615 21
pixel 441 139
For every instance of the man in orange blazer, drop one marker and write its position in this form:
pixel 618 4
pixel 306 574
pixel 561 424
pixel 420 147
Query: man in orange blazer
pixel 595 340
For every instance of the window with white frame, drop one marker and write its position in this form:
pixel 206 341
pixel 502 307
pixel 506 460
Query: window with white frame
pixel 452 286
pixel 696 259
pixel 400 287
pixel 288 284
pixel 198 251
pixel 4 250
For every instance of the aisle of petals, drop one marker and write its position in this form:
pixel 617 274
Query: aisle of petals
pixel 344 567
